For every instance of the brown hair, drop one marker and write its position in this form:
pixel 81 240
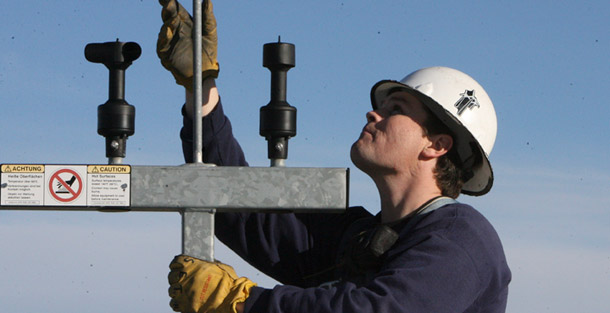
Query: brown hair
pixel 449 175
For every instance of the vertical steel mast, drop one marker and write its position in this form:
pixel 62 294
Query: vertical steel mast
pixel 197 224
pixel 197 82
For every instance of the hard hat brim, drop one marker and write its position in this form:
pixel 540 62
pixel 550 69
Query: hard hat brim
pixel 482 180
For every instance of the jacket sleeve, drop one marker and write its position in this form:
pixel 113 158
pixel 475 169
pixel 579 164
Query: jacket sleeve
pixel 433 276
pixel 219 145
pixel 294 249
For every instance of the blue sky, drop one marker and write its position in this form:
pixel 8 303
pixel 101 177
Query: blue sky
pixel 544 64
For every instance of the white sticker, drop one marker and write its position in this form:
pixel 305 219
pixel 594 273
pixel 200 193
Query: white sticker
pixel 109 185
pixel 66 185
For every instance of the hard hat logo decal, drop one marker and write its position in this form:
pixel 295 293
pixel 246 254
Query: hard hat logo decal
pixel 468 100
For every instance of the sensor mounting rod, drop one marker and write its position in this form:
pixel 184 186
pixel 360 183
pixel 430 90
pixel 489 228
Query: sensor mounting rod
pixel 116 117
pixel 278 118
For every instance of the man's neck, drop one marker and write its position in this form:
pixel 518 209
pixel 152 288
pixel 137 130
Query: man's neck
pixel 400 196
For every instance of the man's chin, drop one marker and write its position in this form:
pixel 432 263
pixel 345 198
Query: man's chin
pixel 357 157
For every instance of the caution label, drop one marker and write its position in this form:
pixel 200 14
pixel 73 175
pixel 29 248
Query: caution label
pixel 109 169
pixel 109 185
pixel 65 185
pixel 22 185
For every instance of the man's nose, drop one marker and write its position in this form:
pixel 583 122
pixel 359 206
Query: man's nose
pixel 373 116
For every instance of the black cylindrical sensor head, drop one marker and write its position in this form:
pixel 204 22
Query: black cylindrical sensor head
pixel 278 121
pixel 278 55
pixel 116 118
pixel 113 54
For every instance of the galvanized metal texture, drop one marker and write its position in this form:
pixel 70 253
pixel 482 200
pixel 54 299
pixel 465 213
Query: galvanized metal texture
pixel 239 188
pixel 198 234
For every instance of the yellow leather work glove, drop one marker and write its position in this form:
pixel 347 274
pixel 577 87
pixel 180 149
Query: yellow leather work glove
pixel 175 43
pixel 201 286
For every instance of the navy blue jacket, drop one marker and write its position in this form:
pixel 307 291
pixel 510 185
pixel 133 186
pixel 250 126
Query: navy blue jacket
pixel 448 260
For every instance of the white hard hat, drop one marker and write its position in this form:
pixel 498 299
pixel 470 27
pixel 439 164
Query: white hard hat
pixel 464 107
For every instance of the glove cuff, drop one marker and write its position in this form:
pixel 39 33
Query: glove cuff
pixel 239 293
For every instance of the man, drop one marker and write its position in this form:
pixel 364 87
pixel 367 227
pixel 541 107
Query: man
pixel 425 141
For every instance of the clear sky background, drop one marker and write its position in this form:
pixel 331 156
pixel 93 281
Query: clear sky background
pixel 545 65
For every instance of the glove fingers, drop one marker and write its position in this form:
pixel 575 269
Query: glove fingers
pixel 182 300
pixel 165 37
pixel 176 263
pixel 174 305
pixel 209 20
pixel 182 261
pixel 209 41
pixel 170 9
pixel 174 291
pixel 169 31
pixel 175 276
pixel 173 12
pixel 181 56
pixel 183 14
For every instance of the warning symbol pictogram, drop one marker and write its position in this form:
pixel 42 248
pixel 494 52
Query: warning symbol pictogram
pixel 65 185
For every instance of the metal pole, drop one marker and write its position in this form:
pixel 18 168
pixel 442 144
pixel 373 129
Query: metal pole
pixel 117 160
pixel 197 225
pixel 198 233
pixel 197 82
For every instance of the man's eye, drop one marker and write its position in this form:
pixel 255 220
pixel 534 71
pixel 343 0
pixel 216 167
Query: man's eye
pixel 396 110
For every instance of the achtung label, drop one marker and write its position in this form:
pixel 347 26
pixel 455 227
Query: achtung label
pixel 22 168
pixel 22 184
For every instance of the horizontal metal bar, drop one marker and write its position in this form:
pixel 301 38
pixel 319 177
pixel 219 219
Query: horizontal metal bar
pixel 199 186
pixel 237 188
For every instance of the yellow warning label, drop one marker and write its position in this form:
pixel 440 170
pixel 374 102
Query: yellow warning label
pixel 108 169
pixel 22 168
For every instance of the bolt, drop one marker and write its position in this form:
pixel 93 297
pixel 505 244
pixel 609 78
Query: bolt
pixel 114 145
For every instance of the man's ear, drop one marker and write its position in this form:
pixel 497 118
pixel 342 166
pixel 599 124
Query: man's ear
pixel 438 145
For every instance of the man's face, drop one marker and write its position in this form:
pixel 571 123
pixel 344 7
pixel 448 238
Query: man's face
pixel 393 137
